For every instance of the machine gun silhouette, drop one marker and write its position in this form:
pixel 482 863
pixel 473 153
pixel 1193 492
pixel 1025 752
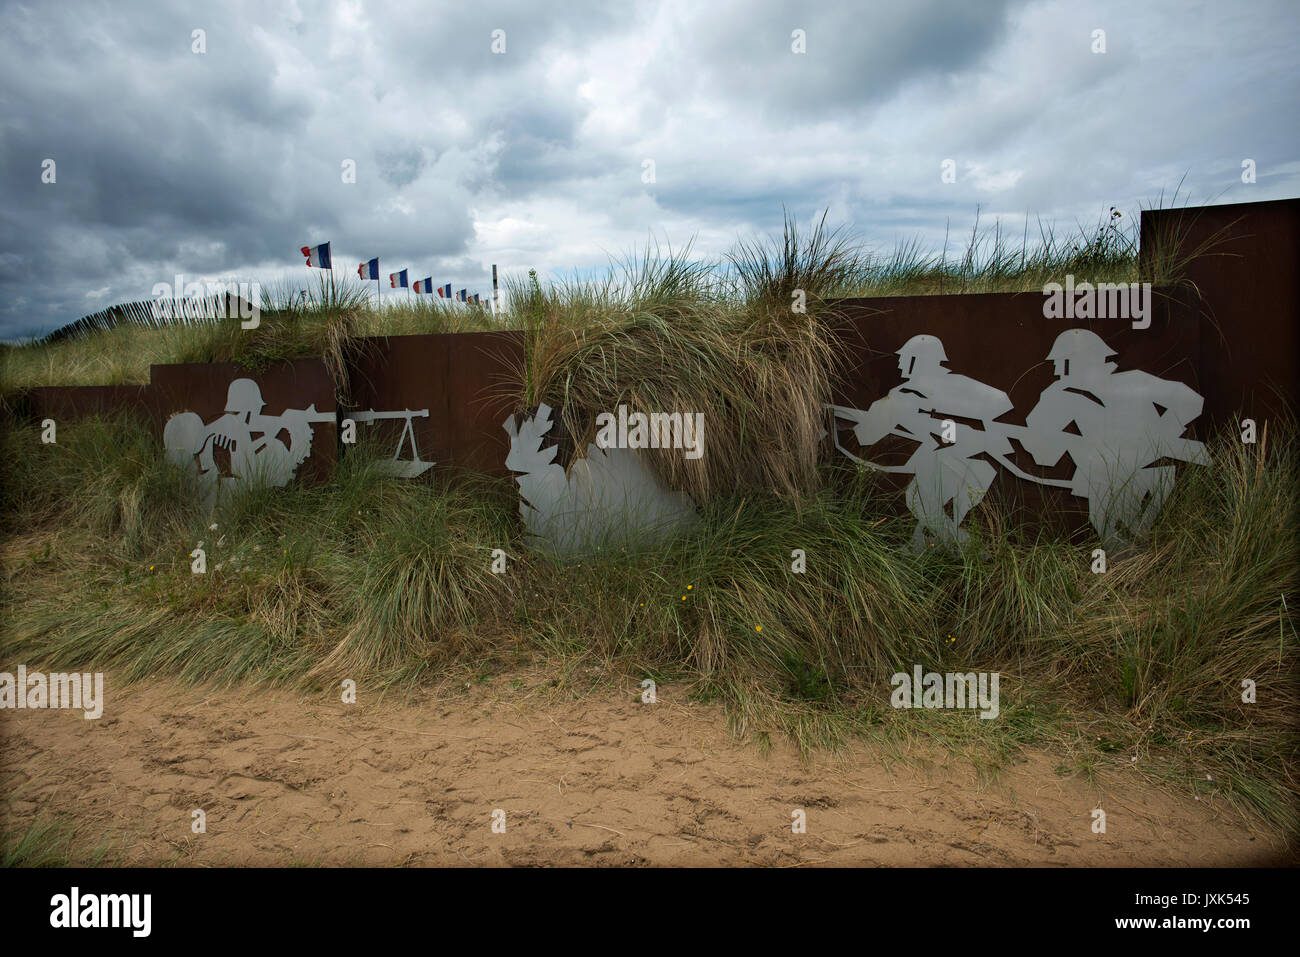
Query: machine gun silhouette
pixel 402 468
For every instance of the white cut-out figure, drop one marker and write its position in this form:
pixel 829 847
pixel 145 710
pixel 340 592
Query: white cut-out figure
pixel 944 474
pixel 413 467
pixel 607 498
pixel 251 439
pixel 1114 426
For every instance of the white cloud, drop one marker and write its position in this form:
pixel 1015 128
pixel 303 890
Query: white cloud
pixel 228 162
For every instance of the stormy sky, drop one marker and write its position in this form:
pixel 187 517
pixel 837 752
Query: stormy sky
pixel 221 164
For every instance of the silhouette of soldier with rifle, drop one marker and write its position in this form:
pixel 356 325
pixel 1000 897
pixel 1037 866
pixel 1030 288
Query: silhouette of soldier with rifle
pixel 944 473
pixel 251 440
pixel 1115 426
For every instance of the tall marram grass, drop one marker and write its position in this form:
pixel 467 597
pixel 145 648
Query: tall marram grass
pixel 754 281
pixel 369 576
pixel 667 336
pixel 320 322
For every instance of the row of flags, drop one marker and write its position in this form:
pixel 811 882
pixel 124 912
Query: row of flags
pixel 319 257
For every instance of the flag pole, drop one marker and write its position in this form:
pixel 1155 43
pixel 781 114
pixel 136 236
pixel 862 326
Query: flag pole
pixel 496 304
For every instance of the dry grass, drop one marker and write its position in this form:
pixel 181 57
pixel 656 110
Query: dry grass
pixel 374 576
pixel 664 340
pixel 370 576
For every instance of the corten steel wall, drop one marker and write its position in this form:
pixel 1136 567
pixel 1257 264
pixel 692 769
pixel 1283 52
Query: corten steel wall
pixel 1233 346
pixel 1002 339
pixel 1249 282
pixel 63 403
pixel 201 387
pixel 469 382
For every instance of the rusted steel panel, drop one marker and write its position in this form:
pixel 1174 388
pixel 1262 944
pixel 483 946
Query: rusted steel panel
pixel 1232 335
pixel 201 388
pixel 1002 340
pixel 63 403
pixel 1249 283
pixel 470 382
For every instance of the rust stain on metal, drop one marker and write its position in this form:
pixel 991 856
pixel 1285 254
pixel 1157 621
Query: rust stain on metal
pixel 63 403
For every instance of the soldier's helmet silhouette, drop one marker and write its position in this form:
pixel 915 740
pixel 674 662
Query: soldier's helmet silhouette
pixel 921 354
pixel 1077 352
pixel 244 397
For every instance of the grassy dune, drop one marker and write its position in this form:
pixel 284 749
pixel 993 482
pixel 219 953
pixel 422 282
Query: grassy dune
pixel 827 263
pixel 389 582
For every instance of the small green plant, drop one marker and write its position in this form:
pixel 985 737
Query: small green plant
pixel 806 681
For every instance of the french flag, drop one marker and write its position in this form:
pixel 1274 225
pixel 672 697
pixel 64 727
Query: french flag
pixel 423 285
pixel 462 295
pixel 445 291
pixel 369 270
pixel 318 256
pixel 397 279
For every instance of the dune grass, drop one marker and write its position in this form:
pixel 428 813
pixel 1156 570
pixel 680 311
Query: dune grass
pixel 755 279
pixel 290 326
pixel 46 843
pixel 390 583
pixel 661 336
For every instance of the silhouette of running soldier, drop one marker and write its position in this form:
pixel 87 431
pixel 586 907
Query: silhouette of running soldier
pixel 944 474
pixel 1114 425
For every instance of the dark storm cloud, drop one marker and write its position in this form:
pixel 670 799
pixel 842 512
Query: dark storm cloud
pixel 400 167
pixel 224 163
pixel 856 53
pixel 538 146
pixel 151 145
pixel 238 151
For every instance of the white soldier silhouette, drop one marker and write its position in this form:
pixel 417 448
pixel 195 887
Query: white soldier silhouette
pixel 1114 426
pixel 606 497
pixel 251 439
pixel 944 474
